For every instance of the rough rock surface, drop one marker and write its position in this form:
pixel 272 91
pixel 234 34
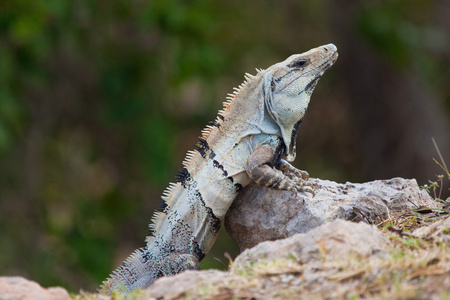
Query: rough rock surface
pixel 180 284
pixel 261 214
pixel 333 240
pixel 19 288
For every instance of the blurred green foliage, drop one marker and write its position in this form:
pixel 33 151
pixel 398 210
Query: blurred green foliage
pixel 401 31
pixel 100 99
pixel 86 122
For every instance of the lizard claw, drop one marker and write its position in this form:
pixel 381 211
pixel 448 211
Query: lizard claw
pixel 304 175
pixel 303 184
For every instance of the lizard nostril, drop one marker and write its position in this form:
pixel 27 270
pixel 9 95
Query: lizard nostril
pixel 326 49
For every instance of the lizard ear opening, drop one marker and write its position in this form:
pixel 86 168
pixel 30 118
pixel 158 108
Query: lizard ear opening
pixel 278 113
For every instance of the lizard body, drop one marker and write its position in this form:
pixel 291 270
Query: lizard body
pixel 247 142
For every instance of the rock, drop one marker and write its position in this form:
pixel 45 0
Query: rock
pixel 179 285
pixel 336 239
pixel 19 288
pixel 260 214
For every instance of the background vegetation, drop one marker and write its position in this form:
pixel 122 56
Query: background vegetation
pixel 99 100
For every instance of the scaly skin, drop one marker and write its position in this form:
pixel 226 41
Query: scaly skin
pixel 246 142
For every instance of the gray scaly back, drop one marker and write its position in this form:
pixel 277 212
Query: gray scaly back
pixel 247 142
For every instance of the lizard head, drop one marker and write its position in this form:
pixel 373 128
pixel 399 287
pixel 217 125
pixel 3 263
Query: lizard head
pixel 288 86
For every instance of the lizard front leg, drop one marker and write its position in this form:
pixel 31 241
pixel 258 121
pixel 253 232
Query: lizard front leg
pixel 260 169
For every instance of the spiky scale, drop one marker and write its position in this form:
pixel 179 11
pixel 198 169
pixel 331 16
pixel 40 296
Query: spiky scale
pixel 189 157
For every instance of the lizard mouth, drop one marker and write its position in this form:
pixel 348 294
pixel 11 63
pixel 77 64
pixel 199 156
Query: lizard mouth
pixel 324 66
pixel 320 69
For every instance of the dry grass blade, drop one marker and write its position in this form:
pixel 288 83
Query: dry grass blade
pixel 443 165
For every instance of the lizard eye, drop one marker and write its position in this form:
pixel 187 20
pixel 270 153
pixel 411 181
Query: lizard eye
pixel 298 63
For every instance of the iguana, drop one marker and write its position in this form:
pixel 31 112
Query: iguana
pixel 247 142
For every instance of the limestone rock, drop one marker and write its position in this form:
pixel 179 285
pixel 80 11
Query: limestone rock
pixel 336 239
pixel 260 214
pixel 19 288
pixel 177 286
